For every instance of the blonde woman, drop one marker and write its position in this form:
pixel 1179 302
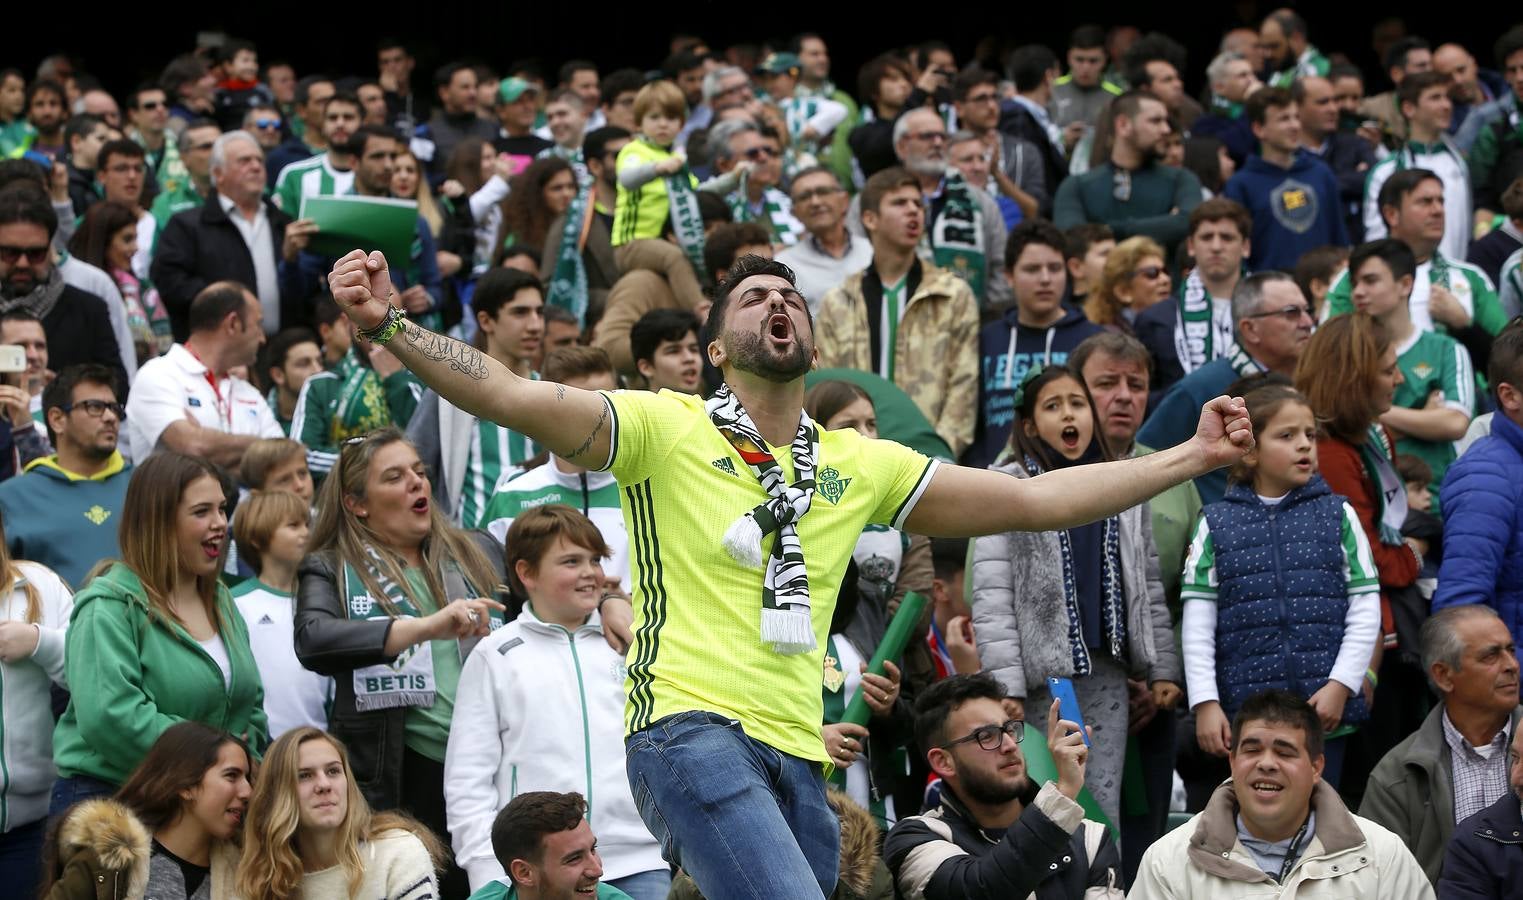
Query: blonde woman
pixel 1135 277
pixel 390 600
pixel 34 610
pixel 310 833
pixel 156 639
pixel 409 182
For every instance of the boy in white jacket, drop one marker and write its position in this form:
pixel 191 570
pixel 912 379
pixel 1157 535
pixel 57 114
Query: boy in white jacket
pixel 540 707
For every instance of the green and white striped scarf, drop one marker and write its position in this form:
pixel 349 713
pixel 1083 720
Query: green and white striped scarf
pixel 568 280
pixel 957 235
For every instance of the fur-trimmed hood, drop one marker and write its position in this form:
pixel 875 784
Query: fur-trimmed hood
pixel 107 832
pixel 859 845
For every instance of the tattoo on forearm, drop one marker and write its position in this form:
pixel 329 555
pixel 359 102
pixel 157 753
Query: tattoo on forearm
pixel 461 357
pixel 560 392
pixel 587 444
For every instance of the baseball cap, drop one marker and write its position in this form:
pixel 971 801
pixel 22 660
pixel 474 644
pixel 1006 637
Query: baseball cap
pixel 510 89
pixel 778 63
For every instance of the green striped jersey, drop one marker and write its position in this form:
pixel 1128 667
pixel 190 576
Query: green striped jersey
pixel 314 176
pixel 1433 362
pixel 495 451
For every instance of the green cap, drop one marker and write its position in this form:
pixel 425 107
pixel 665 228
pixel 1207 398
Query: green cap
pixel 510 89
pixel 778 63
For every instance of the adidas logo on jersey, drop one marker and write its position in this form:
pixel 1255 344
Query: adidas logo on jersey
pixel 266 620
pixel 724 465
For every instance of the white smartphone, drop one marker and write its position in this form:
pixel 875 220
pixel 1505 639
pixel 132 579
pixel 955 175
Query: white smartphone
pixel 12 359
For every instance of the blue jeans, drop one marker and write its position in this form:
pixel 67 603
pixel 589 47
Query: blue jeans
pixel 746 821
pixel 653 885
pixel 69 791
pixel 21 858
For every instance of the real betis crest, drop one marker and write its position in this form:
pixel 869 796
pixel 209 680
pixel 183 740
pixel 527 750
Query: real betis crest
pixel 361 605
pixel 831 484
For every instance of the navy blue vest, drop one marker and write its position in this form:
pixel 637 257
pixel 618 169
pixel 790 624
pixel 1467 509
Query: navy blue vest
pixel 1282 597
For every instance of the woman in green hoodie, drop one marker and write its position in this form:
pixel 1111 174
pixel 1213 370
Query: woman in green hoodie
pixel 156 639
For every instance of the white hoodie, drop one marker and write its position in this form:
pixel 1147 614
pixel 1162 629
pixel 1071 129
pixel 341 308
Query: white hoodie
pixel 539 708
pixel 26 742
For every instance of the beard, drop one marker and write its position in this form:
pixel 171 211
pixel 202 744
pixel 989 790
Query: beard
pixel 926 166
pixel 752 354
pixel 987 790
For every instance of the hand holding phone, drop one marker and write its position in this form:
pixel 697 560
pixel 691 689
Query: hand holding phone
pixel 1070 752
pixel 1068 704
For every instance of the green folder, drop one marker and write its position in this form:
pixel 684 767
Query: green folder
pixel 1041 769
pixel 347 222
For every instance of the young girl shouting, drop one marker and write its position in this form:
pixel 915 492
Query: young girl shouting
pixel 1085 603
pixel 1279 588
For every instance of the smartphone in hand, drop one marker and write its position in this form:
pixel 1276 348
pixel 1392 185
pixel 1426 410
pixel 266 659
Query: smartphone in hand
pixel 1068 704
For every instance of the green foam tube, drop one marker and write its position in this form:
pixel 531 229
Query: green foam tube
pixel 891 647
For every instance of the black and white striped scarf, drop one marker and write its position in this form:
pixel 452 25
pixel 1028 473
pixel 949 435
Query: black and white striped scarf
pixel 785 616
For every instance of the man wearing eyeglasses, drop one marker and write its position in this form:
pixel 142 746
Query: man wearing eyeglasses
pixel 148 117
pixel 828 254
pixel 185 180
pixel 996 833
pixel 264 122
pixel 1272 323
pixel 64 511
pixel 119 174
pixel 758 198
pixel 77 323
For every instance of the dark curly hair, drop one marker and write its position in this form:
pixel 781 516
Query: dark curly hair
pixel 525 218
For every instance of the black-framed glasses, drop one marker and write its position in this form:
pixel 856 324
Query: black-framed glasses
pixel 1292 313
pixel 34 255
pixel 756 153
pixel 96 408
pixel 989 737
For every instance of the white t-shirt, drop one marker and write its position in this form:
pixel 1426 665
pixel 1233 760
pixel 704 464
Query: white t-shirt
pixel 293 696
pixel 175 384
pixel 218 652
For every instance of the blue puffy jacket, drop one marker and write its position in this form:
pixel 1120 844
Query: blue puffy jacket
pixel 1482 499
pixel 1282 594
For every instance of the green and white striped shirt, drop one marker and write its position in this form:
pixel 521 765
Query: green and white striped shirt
pixel 314 176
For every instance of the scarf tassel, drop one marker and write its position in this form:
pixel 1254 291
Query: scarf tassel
pixel 742 540
pixel 788 629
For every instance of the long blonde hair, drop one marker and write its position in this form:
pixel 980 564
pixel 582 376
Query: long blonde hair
pixel 428 207
pixel 351 538
pixel 271 865
pixel 150 525
pixel 12 578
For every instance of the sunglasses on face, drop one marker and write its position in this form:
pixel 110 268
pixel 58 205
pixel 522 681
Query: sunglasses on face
pixel 263 124
pixel 990 737
pixel 1151 273
pixel 34 255
pixel 756 153
pixel 151 105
